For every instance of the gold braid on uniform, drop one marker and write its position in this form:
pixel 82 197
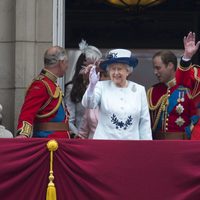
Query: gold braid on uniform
pixel 196 90
pixel 49 75
pixel 57 94
pixel 161 104
pixel 185 68
pixel 26 129
pixel 149 95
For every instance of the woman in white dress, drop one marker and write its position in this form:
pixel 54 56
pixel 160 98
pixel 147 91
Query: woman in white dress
pixel 123 107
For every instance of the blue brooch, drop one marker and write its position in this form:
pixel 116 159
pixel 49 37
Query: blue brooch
pixel 121 124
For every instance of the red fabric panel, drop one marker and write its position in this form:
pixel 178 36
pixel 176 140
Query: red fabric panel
pixel 101 170
pixel 23 169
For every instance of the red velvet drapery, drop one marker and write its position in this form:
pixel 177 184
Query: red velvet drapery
pixel 101 170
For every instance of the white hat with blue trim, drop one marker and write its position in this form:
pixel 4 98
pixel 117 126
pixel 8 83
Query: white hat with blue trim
pixel 123 56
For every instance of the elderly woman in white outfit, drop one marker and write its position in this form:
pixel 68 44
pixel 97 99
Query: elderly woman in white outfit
pixel 124 113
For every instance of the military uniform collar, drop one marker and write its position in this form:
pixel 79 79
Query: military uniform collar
pixel 171 83
pixel 49 75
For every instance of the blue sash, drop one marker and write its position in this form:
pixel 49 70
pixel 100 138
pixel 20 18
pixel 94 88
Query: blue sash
pixel 59 117
pixel 172 102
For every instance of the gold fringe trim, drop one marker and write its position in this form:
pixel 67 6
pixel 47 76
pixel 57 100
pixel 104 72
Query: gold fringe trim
pixel 52 146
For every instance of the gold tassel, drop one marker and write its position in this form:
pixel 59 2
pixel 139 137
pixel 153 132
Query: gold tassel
pixel 52 145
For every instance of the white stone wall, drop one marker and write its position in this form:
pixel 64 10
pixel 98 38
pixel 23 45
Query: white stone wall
pixel 26 31
pixel 7 63
pixel 34 20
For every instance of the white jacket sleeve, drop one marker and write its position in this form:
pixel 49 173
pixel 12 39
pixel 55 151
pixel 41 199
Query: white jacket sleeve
pixel 92 99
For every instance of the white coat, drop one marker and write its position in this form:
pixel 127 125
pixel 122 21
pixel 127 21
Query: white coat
pixel 123 112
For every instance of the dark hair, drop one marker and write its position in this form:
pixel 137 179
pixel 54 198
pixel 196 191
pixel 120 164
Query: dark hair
pixel 79 83
pixel 1 119
pixel 167 57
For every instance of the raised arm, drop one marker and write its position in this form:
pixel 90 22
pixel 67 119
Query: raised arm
pixel 190 45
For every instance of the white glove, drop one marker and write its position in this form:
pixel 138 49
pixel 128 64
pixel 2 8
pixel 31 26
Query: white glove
pixel 93 78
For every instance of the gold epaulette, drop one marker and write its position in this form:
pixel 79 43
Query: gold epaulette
pixel 149 98
pixel 38 78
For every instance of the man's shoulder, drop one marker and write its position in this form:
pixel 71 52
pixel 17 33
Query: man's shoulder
pixel 41 85
pixel 158 87
pixel 39 77
pixel 157 92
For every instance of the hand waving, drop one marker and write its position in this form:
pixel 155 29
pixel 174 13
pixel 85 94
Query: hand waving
pixel 94 77
pixel 190 46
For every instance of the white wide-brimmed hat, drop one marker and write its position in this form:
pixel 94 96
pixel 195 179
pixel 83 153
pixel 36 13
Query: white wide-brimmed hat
pixel 119 56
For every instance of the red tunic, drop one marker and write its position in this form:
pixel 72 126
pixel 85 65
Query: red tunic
pixel 43 103
pixel 190 77
pixel 170 108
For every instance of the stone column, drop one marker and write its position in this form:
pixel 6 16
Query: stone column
pixel 34 20
pixel 7 64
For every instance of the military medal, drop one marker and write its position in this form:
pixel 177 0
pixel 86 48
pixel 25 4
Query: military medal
pixel 181 97
pixel 180 121
pixel 179 109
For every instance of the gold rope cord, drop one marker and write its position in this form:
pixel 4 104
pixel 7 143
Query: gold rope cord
pixel 52 146
pixel 162 108
pixel 196 91
pixel 54 110
pixel 149 98
pixel 184 68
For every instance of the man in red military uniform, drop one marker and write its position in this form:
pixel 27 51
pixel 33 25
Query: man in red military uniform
pixel 189 75
pixel 169 103
pixel 43 113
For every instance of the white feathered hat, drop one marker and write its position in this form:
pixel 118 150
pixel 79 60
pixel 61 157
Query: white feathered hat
pixel 90 52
